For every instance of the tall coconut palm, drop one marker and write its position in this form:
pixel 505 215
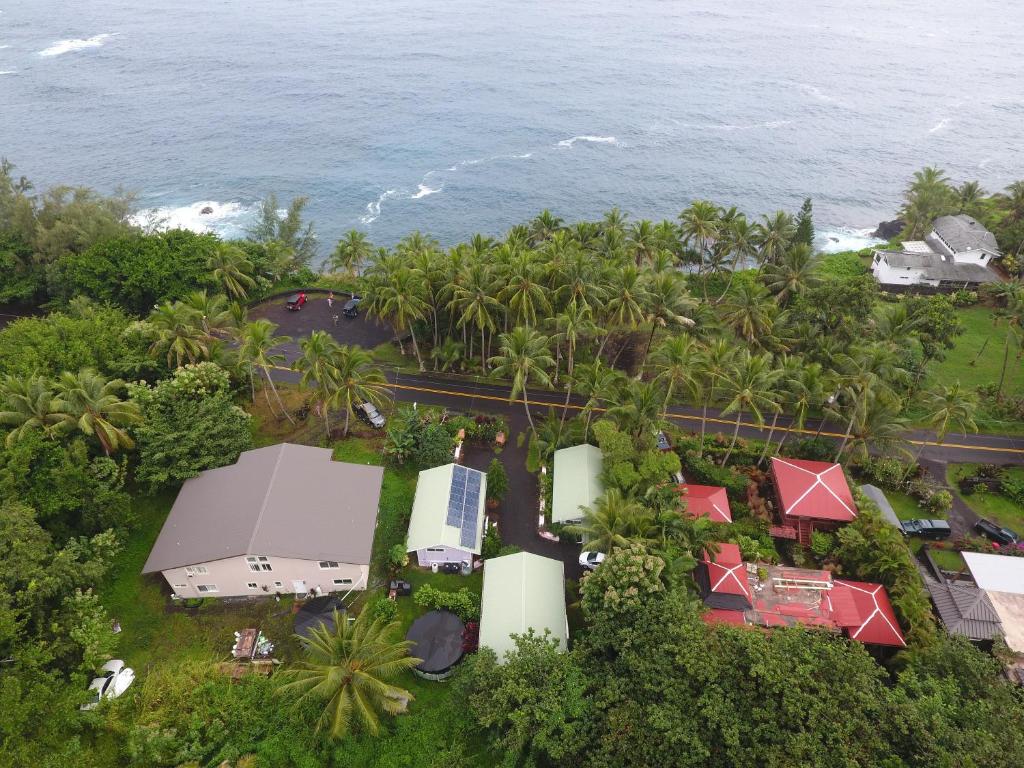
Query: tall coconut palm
pixel 230 267
pixel 356 380
pixel 523 293
pixel 543 227
pixel 353 251
pixel 1013 201
pixel 258 349
pixel 867 372
pixel 793 274
pixel 1012 316
pixel 739 240
pixel 749 384
pixel 714 363
pixel 699 226
pixel 668 305
pixel 347 670
pixel 212 312
pixel 879 426
pixel 625 307
pixel 176 333
pixel 93 405
pixel 642 241
pixel 476 306
pixel 970 195
pixel 601 385
pixel 523 356
pixel 805 391
pixel 946 407
pixel 638 409
pixel 775 234
pixel 675 362
pixel 572 325
pixel 400 300
pixel 27 404
pixel 750 313
pixel 613 521
pixel 317 364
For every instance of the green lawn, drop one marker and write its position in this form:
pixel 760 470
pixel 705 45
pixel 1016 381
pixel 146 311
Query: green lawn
pixel 993 506
pixel 947 559
pixel 963 363
pixel 905 506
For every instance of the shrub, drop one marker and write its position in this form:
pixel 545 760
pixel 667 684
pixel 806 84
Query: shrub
pixel 1013 489
pixel 939 503
pixel 497 481
pixel 964 298
pixel 704 471
pixel 822 544
pixel 398 556
pixel 384 609
pixel 463 603
pixel 491 546
pixel 887 472
pixel 508 549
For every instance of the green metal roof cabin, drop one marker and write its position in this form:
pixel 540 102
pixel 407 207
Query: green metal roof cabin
pixel 577 482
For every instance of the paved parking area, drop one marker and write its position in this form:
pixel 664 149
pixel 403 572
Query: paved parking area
pixel 317 316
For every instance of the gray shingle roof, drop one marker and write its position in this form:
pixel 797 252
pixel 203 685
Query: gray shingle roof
pixel 876 494
pixel 964 233
pixel 965 610
pixel 283 500
pixel 935 268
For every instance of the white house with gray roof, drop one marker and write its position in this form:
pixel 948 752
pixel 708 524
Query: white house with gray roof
pixel 956 253
pixel 285 518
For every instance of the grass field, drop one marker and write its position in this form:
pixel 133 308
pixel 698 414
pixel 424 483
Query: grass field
pixel 993 506
pixel 947 559
pixel 977 359
pixel 905 506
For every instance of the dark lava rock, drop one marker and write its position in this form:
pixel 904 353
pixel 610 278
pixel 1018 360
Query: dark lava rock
pixel 887 230
pixel 206 211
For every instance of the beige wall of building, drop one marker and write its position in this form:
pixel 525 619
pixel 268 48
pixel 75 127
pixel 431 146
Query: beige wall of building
pixel 234 576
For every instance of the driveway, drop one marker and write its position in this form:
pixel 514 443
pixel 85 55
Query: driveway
pixel 961 517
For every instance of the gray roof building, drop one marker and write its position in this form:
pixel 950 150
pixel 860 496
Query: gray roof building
pixel 965 610
pixel 934 267
pixel 964 233
pixel 289 501
pixel 876 495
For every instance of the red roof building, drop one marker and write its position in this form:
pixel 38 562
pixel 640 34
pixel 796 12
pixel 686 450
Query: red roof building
pixel 872 619
pixel 710 501
pixel 813 495
pixel 722 579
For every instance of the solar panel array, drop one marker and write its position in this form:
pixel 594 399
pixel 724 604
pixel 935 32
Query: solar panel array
pixel 464 503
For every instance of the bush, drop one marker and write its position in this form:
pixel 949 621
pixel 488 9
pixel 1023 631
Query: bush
pixel 398 556
pixel 383 609
pixel 509 549
pixel 886 473
pixel 704 471
pixel 822 544
pixel 463 603
pixel 939 503
pixel 491 546
pixel 497 481
pixel 964 298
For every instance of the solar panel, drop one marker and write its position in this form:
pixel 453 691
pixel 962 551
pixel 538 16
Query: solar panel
pixel 464 503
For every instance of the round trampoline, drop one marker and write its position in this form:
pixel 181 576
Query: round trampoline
pixel 437 639
pixel 319 610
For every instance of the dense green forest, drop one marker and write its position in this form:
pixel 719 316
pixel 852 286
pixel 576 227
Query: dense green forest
pixel 144 365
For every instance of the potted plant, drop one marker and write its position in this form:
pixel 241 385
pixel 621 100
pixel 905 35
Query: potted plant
pixel 497 483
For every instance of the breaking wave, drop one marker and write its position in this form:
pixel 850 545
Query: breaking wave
pixel 840 239
pixel 940 125
pixel 589 139
pixel 61 47
pixel 229 220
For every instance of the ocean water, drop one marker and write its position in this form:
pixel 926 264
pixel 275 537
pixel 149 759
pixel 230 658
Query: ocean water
pixel 468 116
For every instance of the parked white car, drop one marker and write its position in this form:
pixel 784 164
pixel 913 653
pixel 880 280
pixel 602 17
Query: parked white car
pixel 112 683
pixel 591 560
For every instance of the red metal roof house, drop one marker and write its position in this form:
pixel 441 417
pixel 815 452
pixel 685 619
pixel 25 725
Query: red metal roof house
pixel 872 620
pixel 710 501
pixel 722 579
pixel 812 495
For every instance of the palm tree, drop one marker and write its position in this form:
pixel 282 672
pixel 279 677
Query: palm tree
pixel 740 241
pixel 356 380
pixel 625 308
pixel 347 669
pixel 317 366
pixel 543 227
pixel 642 241
pixel 448 355
pixel 476 305
pixel 676 361
pixel 750 313
pixel 611 522
pixel 948 406
pixel 257 350
pixel 27 404
pixel 93 404
pixel 571 325
pixel 231 269
pixel 866 373
pixel 400 300
pixel 177 334
pixel 639 408
pixel 713 364
pixel 352 253
pixel 213 312
pixel 668 305
pixel 806 391
pixel 601 384
pixel 749 384
pixel 523 293
pixel 971 194
pixel 523 356
pixel 699 225
pixel 879 425
pixel 1013 201
pixel 774 235
pixel 794 273
pixel 1012 315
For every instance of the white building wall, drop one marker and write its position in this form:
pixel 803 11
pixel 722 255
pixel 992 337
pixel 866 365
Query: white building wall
pixel 903 276
pixel 441 554
pixel 981 258
pixel 232 577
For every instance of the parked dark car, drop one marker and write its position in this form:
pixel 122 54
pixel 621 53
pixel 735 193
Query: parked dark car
pixel 368 412
pixel 351 307
pixel 927 529
pixel 995 532
pixel 295 302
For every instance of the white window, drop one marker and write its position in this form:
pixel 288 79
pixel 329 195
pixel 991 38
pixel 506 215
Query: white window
pixel 342 582
pixel 278 584
pixel 180 586
pixel 326 565
pixel 259 563
pixel 208 588
pixel 196 570
pixel 252 585
pixel 435 549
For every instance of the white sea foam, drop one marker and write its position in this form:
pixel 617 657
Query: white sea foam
pixel 373 208
pixel 3 47
pixel 944 122
pixel 845 239
pixel 7 71
pixel 424 191
pixel 815 92
pixel 77 44
pixel 590 139
pixel 229 220
pixel 729 127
